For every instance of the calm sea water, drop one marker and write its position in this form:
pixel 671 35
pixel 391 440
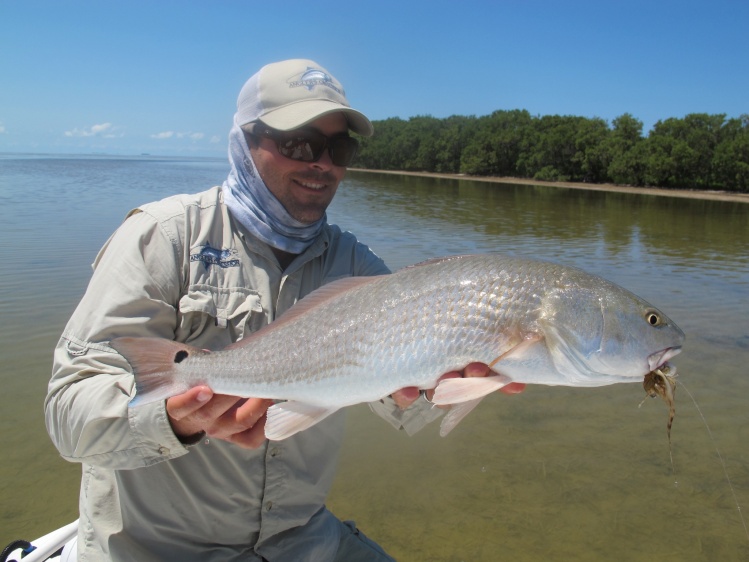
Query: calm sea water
pixel 553 473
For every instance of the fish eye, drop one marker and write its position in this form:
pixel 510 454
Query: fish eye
pixel 653 318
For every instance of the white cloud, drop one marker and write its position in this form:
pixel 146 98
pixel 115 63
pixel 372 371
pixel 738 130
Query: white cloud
pixel 103 130
pixel 96 129
pixel 2 129
pixel 170 134
pixel 215 139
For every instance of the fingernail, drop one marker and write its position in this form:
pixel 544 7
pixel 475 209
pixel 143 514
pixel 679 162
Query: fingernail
pixel 204 396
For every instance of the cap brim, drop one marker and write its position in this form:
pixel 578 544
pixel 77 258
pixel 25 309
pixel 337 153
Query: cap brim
pixel 299 114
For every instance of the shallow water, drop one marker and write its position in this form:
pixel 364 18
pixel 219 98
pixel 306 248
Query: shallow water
pixel 553 473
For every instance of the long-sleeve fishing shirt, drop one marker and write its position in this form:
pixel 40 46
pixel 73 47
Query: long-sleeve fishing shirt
pixel 182 269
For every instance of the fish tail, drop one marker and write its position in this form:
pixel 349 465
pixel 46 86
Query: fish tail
pixel 154 361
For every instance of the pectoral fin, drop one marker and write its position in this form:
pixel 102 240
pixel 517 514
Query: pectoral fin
pixel 518 352
pixel 287 418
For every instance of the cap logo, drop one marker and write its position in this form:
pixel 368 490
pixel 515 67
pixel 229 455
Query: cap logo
pixel 314 77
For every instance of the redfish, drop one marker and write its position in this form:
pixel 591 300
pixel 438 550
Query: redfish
pixel 360 339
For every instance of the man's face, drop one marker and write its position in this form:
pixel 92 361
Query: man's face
pixel 305 189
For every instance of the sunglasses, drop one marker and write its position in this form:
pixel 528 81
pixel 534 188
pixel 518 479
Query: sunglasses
pixel 308 145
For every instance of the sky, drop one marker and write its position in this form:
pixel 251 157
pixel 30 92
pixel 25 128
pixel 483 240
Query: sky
pixel 162 77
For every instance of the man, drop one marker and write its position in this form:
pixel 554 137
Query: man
pixel 193 478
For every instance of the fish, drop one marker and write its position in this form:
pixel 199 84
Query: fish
pixel 359 339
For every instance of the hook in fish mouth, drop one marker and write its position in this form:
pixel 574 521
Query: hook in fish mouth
pixel 658 358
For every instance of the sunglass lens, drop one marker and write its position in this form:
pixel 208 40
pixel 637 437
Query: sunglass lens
pixel 306 149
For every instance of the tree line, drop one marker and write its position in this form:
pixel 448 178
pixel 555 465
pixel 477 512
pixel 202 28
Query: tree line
pixel 699 151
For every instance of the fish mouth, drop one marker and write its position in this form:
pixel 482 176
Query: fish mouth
pixel 660 357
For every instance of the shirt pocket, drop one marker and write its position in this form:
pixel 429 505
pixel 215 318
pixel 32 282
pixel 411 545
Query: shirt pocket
pixel 216 316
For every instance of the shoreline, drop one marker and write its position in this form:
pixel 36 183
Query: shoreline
pixel 683 193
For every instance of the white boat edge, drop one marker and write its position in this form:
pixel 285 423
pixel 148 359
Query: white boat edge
pixel 45 547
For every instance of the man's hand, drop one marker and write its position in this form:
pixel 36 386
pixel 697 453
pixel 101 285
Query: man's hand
pixel 238 420
pixel 406 396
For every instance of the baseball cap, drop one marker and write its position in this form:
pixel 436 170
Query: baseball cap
pixel 289 94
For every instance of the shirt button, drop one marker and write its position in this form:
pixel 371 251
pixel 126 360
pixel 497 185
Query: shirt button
pixel 274 452
pixel 163 450
pixel 268 506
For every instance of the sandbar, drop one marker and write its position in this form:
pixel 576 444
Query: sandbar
pixel 736 197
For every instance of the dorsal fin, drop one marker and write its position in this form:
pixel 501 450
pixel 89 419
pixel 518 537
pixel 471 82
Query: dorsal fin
pixel 436 260
pixel 315 299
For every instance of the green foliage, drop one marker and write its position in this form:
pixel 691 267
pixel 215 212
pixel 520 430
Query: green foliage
pixel 700 151
pixel 494 144
pixel 730 163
